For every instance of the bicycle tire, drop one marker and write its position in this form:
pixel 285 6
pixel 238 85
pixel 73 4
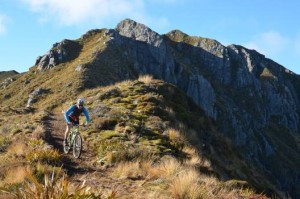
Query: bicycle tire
pixel 77 146
pixel 67 147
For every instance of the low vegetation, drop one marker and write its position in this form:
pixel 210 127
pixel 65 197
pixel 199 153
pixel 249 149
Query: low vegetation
pixel 141 132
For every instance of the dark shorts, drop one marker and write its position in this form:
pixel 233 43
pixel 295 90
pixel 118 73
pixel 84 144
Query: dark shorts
pixel 74 122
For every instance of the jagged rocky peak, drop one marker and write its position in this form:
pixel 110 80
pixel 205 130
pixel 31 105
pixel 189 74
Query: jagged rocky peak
pixel 59 53
pixel 253 60
pixel 140 32
pixel 258 64
pixel 241 50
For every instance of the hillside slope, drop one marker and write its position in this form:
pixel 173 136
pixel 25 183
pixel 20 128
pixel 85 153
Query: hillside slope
pixel 147 139
pixel 249 100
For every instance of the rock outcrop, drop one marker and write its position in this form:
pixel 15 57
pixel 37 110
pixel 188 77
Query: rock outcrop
pixel 59 53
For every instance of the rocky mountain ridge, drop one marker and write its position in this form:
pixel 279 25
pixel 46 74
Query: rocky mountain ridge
pixel 254 100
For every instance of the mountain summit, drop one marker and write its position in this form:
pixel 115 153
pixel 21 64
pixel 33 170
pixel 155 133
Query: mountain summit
pixel 251 100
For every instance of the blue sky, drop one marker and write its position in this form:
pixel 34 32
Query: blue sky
pixel 29 28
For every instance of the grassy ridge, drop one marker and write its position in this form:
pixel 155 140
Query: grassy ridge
pixel 145 130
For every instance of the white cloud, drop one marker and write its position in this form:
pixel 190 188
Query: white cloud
pixel 80 12
pixel 269 43
pixel 2 26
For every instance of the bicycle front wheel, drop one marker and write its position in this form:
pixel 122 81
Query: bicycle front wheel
pixel 77 146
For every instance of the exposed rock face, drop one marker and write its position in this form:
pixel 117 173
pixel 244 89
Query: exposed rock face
pixel 139 32
pixel 34 96
pixel 203 94
pixel 60 53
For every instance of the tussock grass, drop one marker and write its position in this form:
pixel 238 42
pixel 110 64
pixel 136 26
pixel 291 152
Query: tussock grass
pixel 167 168
pixel 39 132
pixel 186 185
pixel 17 148
pixel 15 175
pixel 49 156
pixel 193 158
pixel 171 178
pixel 136 169
pixel 35 143
pixel 53 186
pixel 38 152
pixel 114 151
pixel 146 79
pixel 177 138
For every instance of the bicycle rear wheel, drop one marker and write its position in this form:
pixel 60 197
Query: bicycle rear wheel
pixel 77 146
pixel 67 146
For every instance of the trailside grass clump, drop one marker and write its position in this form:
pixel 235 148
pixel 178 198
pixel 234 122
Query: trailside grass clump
pixel 38 152
pixel 146 79
pixel 54 185
pixel 170 178
pixel 112 151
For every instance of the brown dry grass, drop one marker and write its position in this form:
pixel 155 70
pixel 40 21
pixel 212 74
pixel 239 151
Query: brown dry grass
pixel 17 148
pixel 146 79
pixel 15 175
pixel 131 169
pixel 167 168
pixel 186 185
pixel 173 179
pixel 39 132
pixel 193 157
pixel 177 138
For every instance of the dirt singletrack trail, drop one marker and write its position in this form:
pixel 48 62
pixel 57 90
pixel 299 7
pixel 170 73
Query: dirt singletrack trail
pixel 56 129
pixel 86 170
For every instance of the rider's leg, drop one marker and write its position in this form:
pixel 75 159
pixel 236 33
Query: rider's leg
pixel 67 131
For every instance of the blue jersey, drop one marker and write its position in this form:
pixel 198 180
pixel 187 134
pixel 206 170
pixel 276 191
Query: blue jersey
pixel 74 112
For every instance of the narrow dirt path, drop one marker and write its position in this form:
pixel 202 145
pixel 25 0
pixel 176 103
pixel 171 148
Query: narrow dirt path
pixel 85 171
pixel 56 129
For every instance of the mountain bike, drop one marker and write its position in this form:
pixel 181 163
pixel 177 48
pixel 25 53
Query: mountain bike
pixel 74 140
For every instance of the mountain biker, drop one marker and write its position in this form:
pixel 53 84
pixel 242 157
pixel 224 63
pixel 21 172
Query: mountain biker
pixel 72 116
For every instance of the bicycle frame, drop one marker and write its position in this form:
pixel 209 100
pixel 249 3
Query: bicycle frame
pixel 73 132
pixel 74 140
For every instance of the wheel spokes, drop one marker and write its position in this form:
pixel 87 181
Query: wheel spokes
pixel 77 146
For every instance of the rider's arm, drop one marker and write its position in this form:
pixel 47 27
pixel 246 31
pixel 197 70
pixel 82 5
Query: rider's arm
pixel 85 112
pixel 68 112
